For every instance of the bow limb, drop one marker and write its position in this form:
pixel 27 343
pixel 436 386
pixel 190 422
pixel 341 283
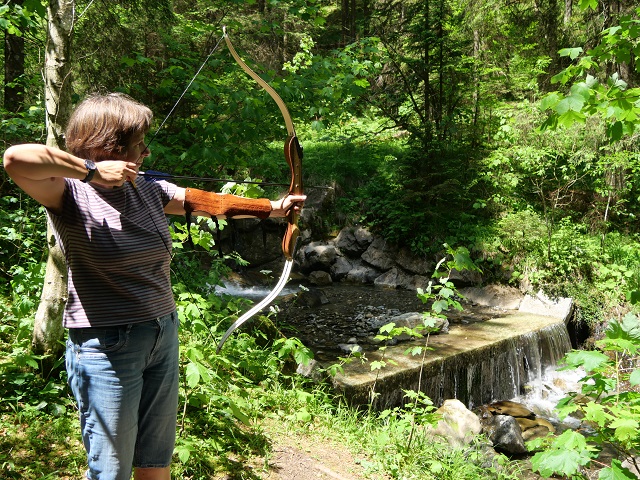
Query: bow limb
pixel 293 155
pixel 283 108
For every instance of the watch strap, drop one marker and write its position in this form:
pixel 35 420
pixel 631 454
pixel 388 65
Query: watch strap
pixel 91 170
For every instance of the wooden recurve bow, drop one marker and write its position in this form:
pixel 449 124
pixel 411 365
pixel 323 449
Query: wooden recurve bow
pixel 293 155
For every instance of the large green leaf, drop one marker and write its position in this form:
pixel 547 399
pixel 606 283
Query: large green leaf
pixel 568 454
pixel 628 328
pixel 590 360
pixel 616 472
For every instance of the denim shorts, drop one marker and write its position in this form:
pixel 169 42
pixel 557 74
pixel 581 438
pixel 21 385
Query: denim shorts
pixel 125 380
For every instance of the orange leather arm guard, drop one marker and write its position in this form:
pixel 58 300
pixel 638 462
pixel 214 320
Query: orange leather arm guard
pixel 224 204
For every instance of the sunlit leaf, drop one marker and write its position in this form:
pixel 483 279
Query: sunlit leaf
pixel 590 360
pixel 616 472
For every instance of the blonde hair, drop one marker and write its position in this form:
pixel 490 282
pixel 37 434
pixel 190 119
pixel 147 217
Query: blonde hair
pixel 102 126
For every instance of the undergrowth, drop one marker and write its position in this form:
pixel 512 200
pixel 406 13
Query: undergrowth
pixel 227 399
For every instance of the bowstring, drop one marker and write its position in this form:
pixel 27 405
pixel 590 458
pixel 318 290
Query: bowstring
pixel 153 137
pixel 184 92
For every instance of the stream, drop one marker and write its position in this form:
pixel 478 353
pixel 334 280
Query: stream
pixel 324 318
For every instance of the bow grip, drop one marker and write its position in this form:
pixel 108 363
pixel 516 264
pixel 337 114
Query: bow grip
pixel 293 154
pixel 289 240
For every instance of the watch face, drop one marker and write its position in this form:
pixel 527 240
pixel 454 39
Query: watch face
pixel 91 170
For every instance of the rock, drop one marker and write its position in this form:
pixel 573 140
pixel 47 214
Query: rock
pixel 505 434
pixel 458 424
pixel 500 296
pixel 392 279
pixel 341 268
pixel 317 256
pixel 411 263
pixel 535 428
pixel 539 431
pixel 630 463
pixel 312 298
pixel 353 241
pixel 540 304
pixel 513 409
pixel 415 282
pixel 312 370
pixel 317 206
pixel 350 348
pixel 362 274
pixel 363 236
pixel 320 278
pixel 464 278
pixel 527 423
pixel 380 254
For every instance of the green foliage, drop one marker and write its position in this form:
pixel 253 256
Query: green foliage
pixel 15 127
pixel 415 126
pixel 568 454
pixel 608 97
pixel 16 18
pixel 608 403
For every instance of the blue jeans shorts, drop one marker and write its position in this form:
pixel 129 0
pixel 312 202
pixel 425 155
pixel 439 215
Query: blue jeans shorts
pixel 125 380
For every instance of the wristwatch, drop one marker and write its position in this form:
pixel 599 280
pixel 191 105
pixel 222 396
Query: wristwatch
pixel 91 170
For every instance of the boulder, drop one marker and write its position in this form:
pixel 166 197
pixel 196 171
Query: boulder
pixel 465 278
pixel 380 254
pixel 511 408
pixel 392 279
pixel 499 296
pixel 458 425
pixel 361 274
pixel 340 268
pixel 353 241
pixel 320 278
pixel 414 264
pixel 505 434
pixel 317 256
pixel 313 297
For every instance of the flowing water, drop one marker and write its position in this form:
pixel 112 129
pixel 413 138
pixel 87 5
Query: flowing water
pixel 489 354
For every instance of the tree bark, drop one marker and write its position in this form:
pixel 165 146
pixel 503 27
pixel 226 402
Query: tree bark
pixel 48 331
pixel 57 69
pixel 568 11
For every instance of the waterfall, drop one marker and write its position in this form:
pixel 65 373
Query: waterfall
pixel 485 357
pixel 485 362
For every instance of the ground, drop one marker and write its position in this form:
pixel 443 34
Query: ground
pixel 307 460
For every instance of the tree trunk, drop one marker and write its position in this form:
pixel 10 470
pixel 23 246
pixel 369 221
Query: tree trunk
pixel 57 70
pixel 48 331
pixel 13 69
pixel 568 11
pixel 476 88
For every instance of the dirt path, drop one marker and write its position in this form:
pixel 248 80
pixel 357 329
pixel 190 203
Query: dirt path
pixel 309 459
pixel 289 463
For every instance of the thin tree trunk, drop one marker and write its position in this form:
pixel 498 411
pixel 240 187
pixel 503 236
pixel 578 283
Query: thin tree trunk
pixel 57 70
pixel 48 331
pixel 568 11
pixel 476 87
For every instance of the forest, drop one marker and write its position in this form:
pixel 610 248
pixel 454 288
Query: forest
pixel 507 128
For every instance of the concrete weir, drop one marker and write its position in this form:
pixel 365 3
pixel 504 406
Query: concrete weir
pixel 476 363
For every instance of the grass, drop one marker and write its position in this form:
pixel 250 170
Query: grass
pixel 38 443
pixel 35 445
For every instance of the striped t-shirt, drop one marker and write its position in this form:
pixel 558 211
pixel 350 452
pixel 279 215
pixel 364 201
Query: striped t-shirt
pixel 118 248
